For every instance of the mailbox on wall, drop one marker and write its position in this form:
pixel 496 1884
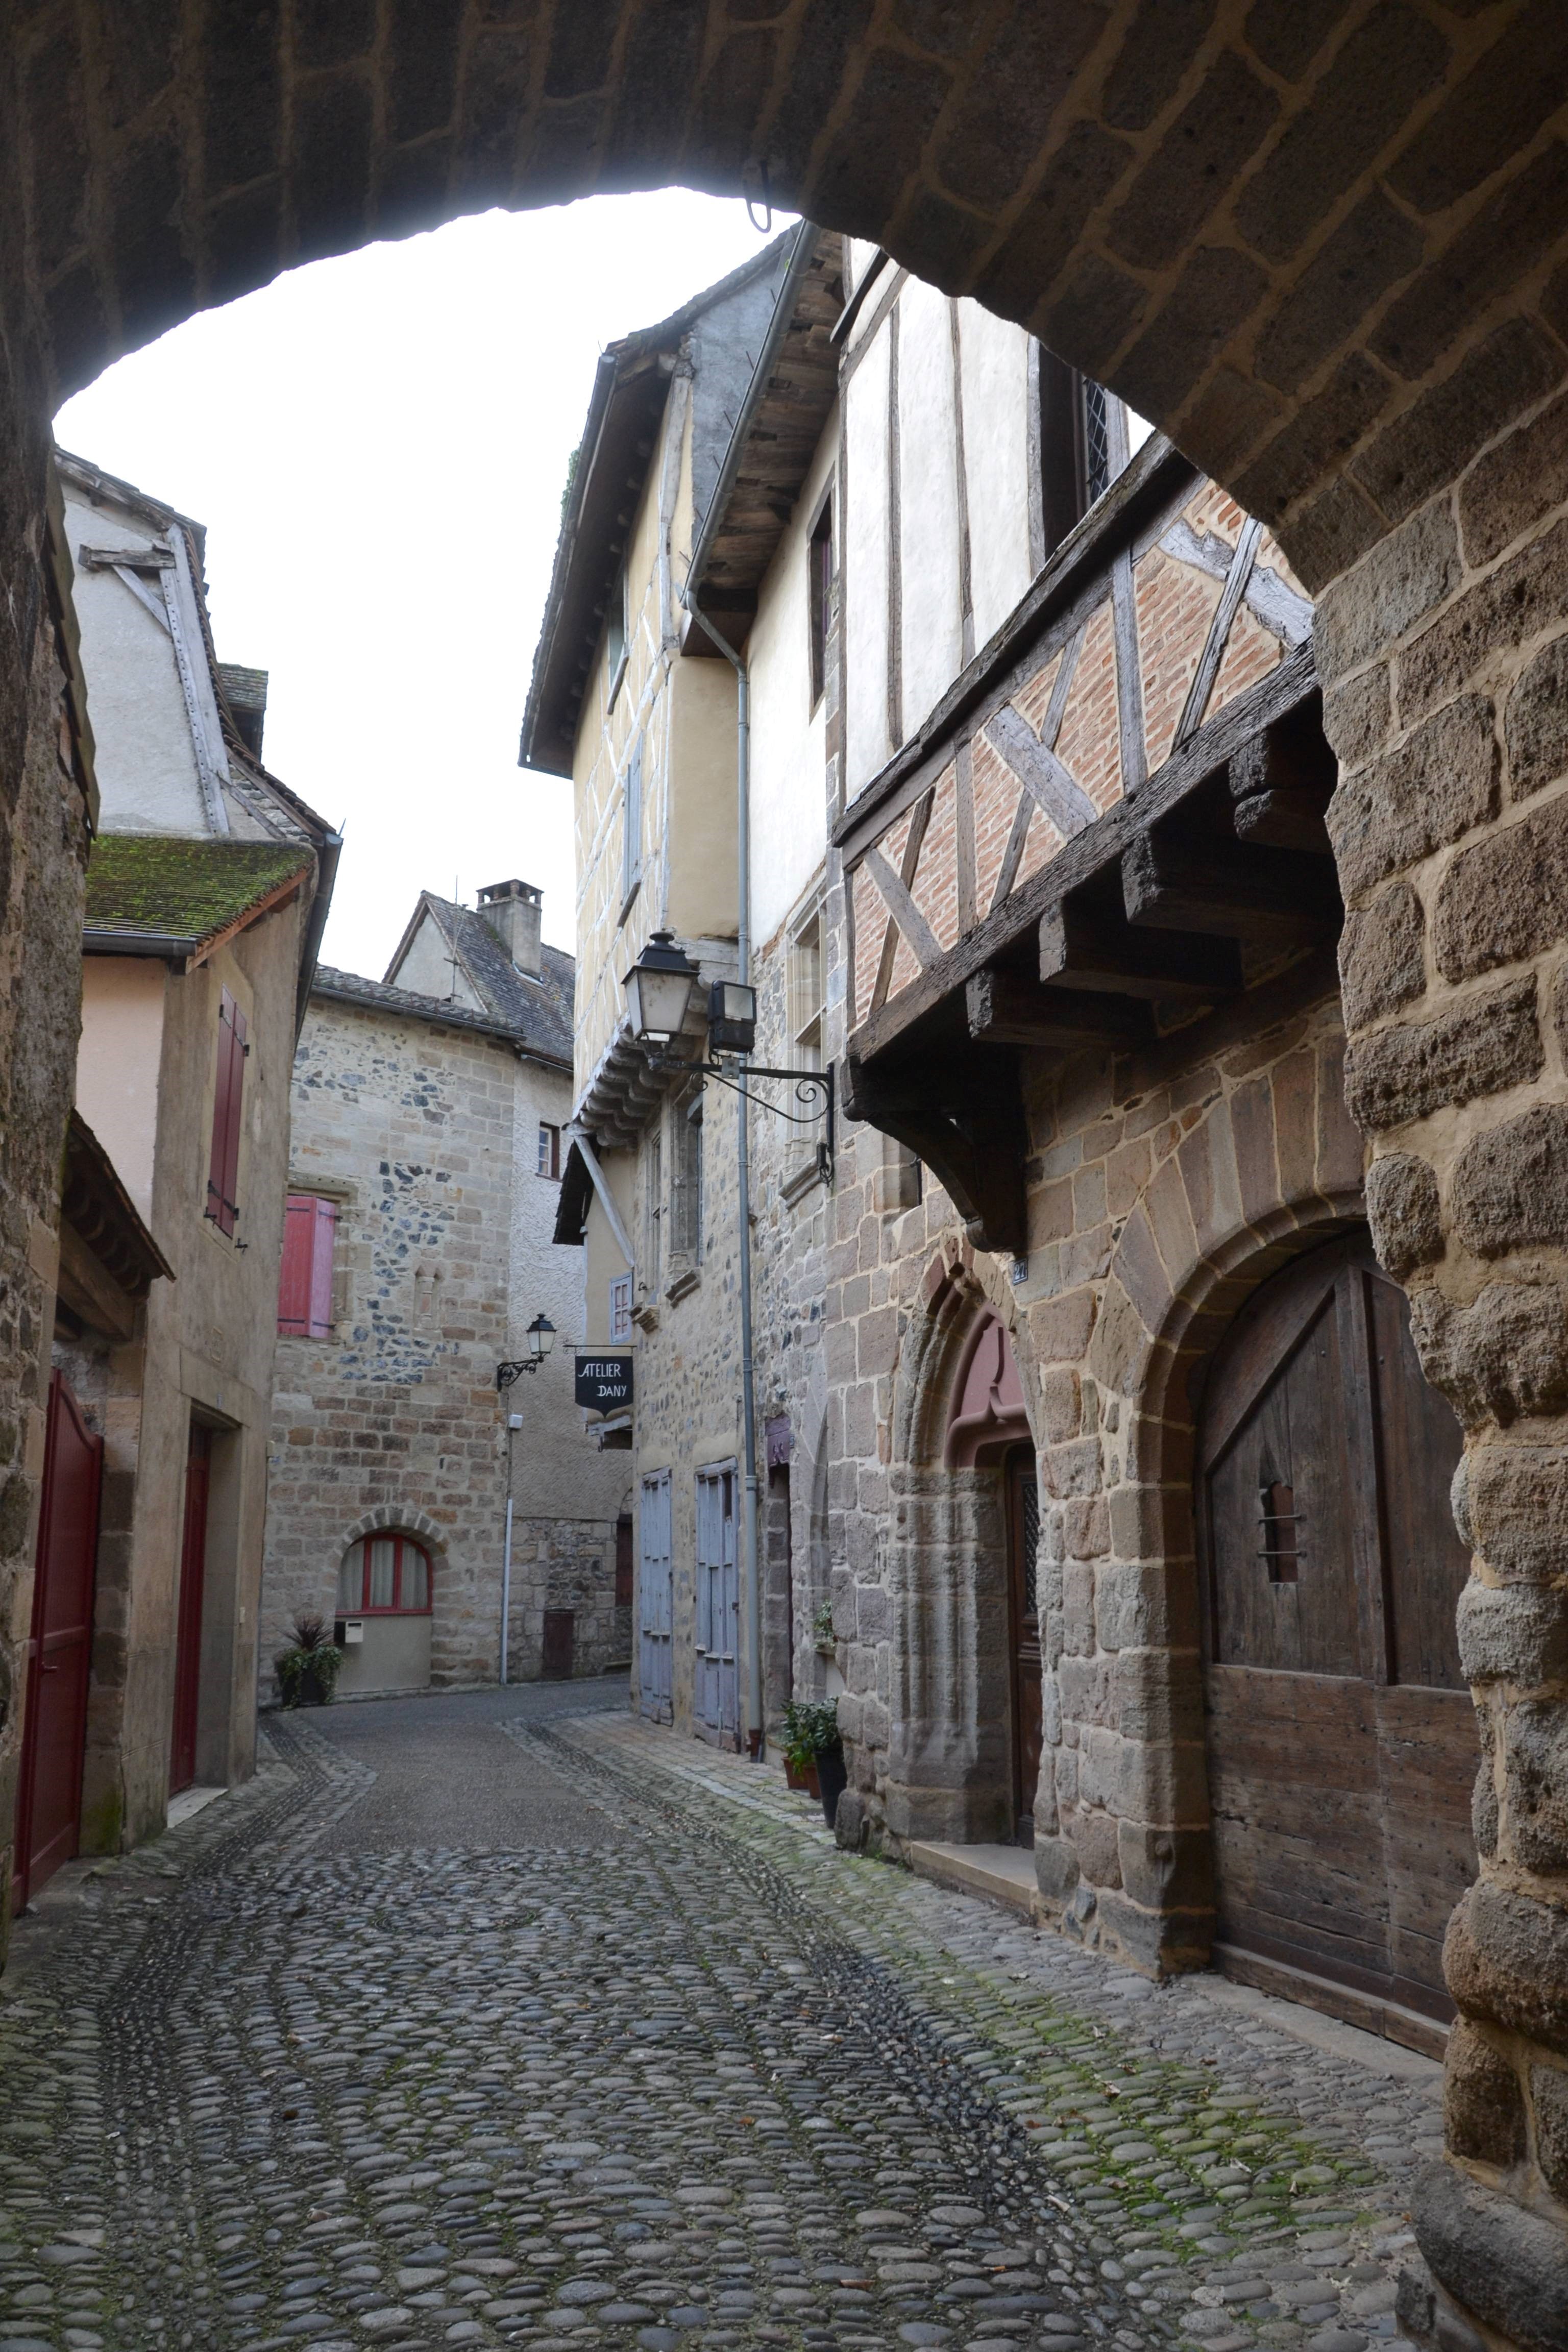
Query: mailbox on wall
pixel 604 1381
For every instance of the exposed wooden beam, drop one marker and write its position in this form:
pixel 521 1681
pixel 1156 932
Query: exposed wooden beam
pixel 1283 821
pixel 1008 1008
pixel 962 1114
pixel 1230 891
pixel 1096 850
pixel 1085 950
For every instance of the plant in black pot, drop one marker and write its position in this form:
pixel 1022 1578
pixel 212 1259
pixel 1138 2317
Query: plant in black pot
pixel 810 1738
pixel 308 1669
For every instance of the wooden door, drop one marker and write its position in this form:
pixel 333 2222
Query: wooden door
pixel 656 1600
pixel 717 1649
pixel 1024 1616
pixel 560 1641
pixel 1341 1735
pixel 59 1646
pixel 188 1627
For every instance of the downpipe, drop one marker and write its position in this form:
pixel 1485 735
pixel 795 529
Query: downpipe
pixel 756 1737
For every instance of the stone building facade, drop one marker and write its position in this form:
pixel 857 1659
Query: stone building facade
pixel 1323 247
pixel 208 886
pixel 427 1127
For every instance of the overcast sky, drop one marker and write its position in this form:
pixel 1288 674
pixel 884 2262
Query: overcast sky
pixel 377 447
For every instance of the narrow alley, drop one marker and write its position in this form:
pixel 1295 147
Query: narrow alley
pixel 499 2017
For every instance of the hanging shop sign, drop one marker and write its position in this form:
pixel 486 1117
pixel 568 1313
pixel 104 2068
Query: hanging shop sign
pixel 604 1382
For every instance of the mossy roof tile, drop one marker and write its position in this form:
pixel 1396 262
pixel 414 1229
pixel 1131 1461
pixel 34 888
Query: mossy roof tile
pixel 180 888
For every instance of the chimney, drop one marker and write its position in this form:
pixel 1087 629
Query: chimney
pixel 514 911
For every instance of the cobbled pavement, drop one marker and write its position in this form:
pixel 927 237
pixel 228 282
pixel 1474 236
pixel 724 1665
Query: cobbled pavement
pixel 692 2078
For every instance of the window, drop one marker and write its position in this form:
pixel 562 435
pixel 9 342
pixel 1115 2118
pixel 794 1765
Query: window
pixel 386 1575
pixel 631 826
pixel 819 596
pixel 549 1150
pixel 305 1277
pixel 686 1181
pixel 653 1207
pixel 620 1310
pixel 228 1091
pixel 616 636
pixel 803 983
pixel 1084 445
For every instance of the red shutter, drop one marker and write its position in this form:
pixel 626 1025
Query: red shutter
pixel 305 1281
pixel 294 1278
pixel 324 1227
pixel 223 1175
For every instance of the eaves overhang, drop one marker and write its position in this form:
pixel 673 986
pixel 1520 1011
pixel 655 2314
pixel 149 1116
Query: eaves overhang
pixel 788 402
pixel 630 393
pixel 619 434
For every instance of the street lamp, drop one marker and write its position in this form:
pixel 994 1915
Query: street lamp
pixel 658 989
pixel 541 1337
pixel 658 997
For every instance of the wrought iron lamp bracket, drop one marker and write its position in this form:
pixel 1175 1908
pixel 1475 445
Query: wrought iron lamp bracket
pixel 814 1090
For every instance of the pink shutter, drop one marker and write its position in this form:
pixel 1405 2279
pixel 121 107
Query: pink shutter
pixel 227 1088
pixel 295 1280
pixel 324 1227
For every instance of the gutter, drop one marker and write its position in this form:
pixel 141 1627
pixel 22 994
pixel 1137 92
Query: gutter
pixel 329 851
pixel 166 944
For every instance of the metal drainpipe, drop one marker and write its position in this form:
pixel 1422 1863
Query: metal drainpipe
pixel 755 1728
pixel 506 1563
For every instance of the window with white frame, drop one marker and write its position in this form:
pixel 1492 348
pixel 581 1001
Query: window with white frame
pixel 804 986
pixel 685 1180
pixel 549 1150
pixel 631 825
pixel 617 637
pixel 620 1316
pixel 653 1208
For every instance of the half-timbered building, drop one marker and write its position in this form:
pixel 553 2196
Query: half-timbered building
pixel 1097 1476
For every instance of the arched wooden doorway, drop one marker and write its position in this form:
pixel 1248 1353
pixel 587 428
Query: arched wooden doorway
pixel 1342 1744
pixel 990 1429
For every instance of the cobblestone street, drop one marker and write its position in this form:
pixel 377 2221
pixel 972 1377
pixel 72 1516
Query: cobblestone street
pixel 498 2018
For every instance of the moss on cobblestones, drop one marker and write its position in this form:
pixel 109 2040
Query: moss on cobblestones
pixel 697 2080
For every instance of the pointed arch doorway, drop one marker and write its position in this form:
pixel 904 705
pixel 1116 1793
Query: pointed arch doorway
pixel 989 1430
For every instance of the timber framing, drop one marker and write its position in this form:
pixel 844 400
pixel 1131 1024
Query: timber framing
pixel 1100 847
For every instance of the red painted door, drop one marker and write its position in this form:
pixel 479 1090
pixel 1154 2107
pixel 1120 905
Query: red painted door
pixel 59 1647
pixel 188 1631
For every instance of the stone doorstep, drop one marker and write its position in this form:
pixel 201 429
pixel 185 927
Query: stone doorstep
pixel 191 1800
pixel 1004 1872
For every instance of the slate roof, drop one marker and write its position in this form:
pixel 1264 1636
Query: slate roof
pixel 536 1012
pixel 153 887
pixel 378 996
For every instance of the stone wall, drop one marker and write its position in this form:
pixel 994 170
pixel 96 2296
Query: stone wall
pixel 43 851
pixel 395 1421
pixel 1444 654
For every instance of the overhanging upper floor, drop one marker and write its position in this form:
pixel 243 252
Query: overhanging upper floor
pixel 1110 829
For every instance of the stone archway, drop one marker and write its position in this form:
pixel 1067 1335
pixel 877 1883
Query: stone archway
pixel 1322 247
pixel 934 1757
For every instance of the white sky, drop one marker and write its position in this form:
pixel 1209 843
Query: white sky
pixel 377 447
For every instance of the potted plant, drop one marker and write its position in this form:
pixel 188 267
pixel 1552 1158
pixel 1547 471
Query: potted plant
pixel 812 1744
pixel 308 1669
pixel 799 1754
pixel 824 1639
